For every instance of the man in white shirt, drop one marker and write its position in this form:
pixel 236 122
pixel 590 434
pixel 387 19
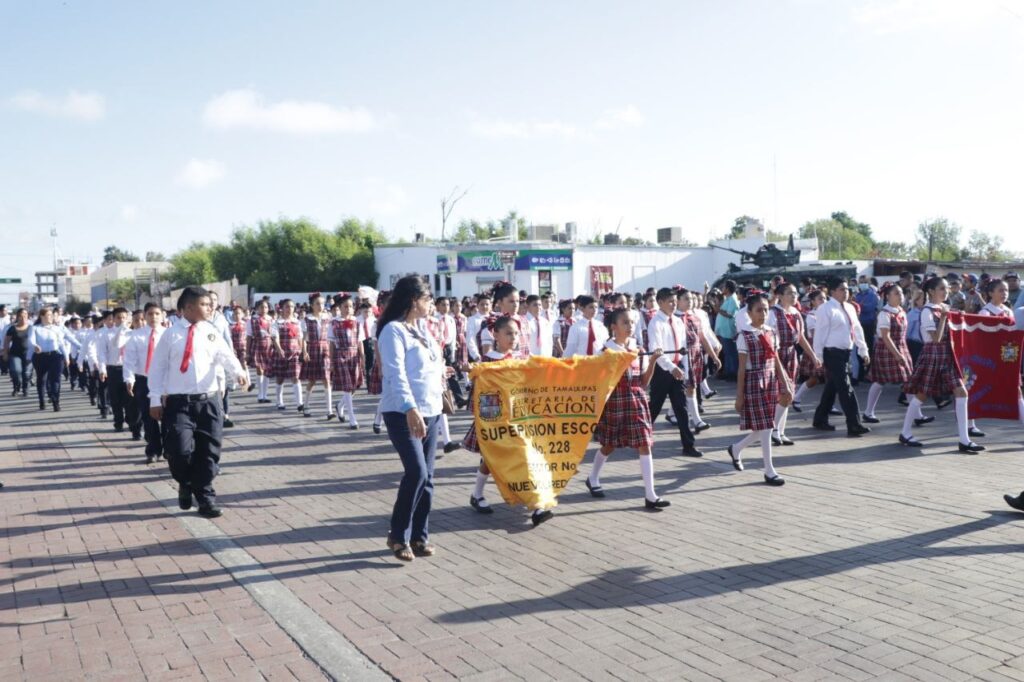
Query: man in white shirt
pixel 837 332
pixel 449 339
pixel 587 336
pixel 138 358
pixel 183 386
pixel 668 332
pixel 539 331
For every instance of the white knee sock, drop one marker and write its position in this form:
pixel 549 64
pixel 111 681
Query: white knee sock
pixel 766 453
pixel 347 397
pixel 919 414
pixel 377 417
pixel 446 435
pixel 297 390
pixel 595 471
pixel 1020 410
pixel 341 408
pixel 330 398
pixel 647 471
pixel 264 383
pixel 781 419
pixel 691 405
pixel 971 424
pixel 874 394
pixel 705 388
pixel 744 442
pixel 478 487
pixel 280 394
pixel 913 409
pixel 309 393
pixel 800 392
pixel 961 419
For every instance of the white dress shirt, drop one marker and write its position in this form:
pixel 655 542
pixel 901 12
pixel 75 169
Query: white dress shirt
pixel 109 345
pixel 741 343
pixel 669 334
pixel 576 344
pixel 50 338
pixel 135 350
pixel 472 328
pixel 706 329
pixel 209 351
pixel 445 328
pixel 743 321
pixel 832 329
pixel 539 335
pixel 994 310
pixel 275 328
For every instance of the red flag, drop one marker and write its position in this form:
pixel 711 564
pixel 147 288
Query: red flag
pixel 987 349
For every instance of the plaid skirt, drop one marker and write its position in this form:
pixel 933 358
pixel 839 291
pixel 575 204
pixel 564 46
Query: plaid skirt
pixel 886 367
pixel 626 420
pixel 346 373
pixel 318 368
pixel 287 367
pixel 935 373
pixel 696 375
pixel 790 363
pixel 806 369
pixel 261 355
pixel 375 382
pixel 760 396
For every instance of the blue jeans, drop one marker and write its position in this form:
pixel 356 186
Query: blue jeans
pixel 410 517
pixel 19 368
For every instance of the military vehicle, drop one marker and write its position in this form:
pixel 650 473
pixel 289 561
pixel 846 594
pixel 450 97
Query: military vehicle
pixel 757 269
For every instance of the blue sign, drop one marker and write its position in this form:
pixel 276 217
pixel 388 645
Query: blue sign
pixel 544 260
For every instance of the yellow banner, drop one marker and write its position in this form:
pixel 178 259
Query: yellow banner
pixel 534 419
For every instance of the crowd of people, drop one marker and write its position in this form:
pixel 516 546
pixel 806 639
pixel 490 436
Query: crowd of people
pixel 167 377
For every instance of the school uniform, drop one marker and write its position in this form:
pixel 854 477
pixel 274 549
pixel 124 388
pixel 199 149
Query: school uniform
pixel 760 386
pixel 260 344
pixel 626 420
pixel 936 372
pixel 837 332
pixel 521 349
pixel 110 353
pixel 539 336
pixel 287 365
pixel 346 371
pixel 887 368
pixel 788 326
pixel 474 326
pixel 446 333
pixel 73 349
pixel 183 372
pixel 806 369
pixel 366 324
pixel 240 340
pixel 668 333
pixel 694 349
pixel 561 329
pixel 586 337
pixel 993 310
pixel 138 360
pixel 318 346
pixel 375 380
pixel 97 387
pixel 49 360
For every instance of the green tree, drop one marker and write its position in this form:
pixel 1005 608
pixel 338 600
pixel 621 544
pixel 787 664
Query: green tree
pixel 464 232
pixel 155 257
pixel 983 246
pixel 114 254
pixel 897 250
pixel 836 241
pixel 193 265
pixel 844 219
pixel 122 290
pixel 739 227
pixel 938 240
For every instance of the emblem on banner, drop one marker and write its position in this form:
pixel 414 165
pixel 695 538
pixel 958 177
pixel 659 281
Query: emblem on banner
pixel 490 406
pixel 970 376
pixel 1009 352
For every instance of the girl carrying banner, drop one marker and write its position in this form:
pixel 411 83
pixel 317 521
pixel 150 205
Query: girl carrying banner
pixel 892 363
pixel 937 372
pixel 505 298
pixel 762 383
pixel 788 324
pixel 626 420
pixel 998 293
pixel 504 333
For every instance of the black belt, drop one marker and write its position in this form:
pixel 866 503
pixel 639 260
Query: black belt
pixel 49 352
pixel 838 350
pixel 189 397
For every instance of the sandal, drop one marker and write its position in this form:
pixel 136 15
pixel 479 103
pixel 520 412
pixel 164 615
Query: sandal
pixel 401 551
pixel 423 548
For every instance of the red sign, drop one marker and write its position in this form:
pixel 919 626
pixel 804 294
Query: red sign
pixel 601 280
pixel 987 349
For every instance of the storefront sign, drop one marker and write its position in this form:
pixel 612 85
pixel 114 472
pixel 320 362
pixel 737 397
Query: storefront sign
pixel 480 261
pixel 544 260
pixel 444 262
pixel 495 261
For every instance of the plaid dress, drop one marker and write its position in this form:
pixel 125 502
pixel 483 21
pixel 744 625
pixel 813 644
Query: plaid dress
pixel 318 367
pixel 788 327
pixel 470 442
pixel 806 369
pixel 936 372
pixel 238 342
pixel 563 332
pixel 886 368
pixel 347 371
pixel 694 349
pixel 760 389
pixel 289 365
pixel 626 420
pixel 261 350
pixel 462 350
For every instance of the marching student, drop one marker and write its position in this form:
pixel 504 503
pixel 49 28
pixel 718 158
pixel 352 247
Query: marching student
pixel 505 300
pixel 110 353
pixel 838 333
pixel 316 354
pixel 892 363
pixel 85 381
pixel 474 326
pixel 504 334
pixel 346 360
pixel 697 344
pixel 72 328
pixel 997 292
pixel 365 318
pixel 240 337
pixel 788 324
pixel 47 341
pixel 183 384
pixel 809 373
pixel 762 384
pixel 626 420
pixel 709 331
pixel 668 332
pixel 286 335
pixel 375 380
pixel 261 348
pixel 560 328
pixel 223 325
pixel 538 328
pixel 97 381
pixel 446 328
pixel 138 360
pixel 936 372
pixel 587 335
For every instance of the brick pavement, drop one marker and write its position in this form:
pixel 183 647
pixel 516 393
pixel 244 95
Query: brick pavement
pixel 873 561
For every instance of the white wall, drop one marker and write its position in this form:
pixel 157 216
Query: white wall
pixel 635 268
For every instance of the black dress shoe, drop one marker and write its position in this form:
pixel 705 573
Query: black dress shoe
pixel 857 431
pixel 538 517
pixel 737 463
pixel 300 408
pixel 945 402
pixel 209 511
pixel 785 440
pixel 228 423
pixel 703 426
pixel 474 502
pixel 149 459
pixel 825 427
pixel 776 440
pixel 692 452
pixel 184 496
pixel 867 419
pixel 671 419
pixel 118 429
pixel 923 420
pixel 711 395
pixel 595 490
pixel 452 447
pixel 796 407
pixel 136 436
pixel 376 428
pixel 1015 502
pixel 775 480
pixel 56 408
pixel 353 427
pixel 971 448
pixel 910 442
pixel 903 401
pixel 657 505
pixel 282 408
pixel 974 432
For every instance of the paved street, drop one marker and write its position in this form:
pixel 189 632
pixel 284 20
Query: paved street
pixel 872 561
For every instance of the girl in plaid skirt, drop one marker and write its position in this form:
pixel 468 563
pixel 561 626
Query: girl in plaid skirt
pixel 346 359
pixel 997 293
pixel 504 334
pixel 288 338
pixel 697 345
pixel 261 348
pixel 626 420
pixel 937 372
pixel 316 360
pixel 761 384
pixel 892 363
pixel 563 324
pixel 788 324
pixel 809 372
pixel 374 382
pixel 239 337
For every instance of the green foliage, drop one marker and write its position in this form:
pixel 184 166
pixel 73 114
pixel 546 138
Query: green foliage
pixel 472 230
pixel 849 223
pixel 193 265
pixel 114 254
pixel 938 240
pixel 895 250
pixel 836 242
pixel 739 226
pixel 982 246
pixel 122 290
pixel 155 257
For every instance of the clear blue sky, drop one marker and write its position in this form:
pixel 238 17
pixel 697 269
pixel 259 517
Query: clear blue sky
pixel 150 127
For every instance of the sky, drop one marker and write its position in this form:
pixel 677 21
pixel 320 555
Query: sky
pixel 150 126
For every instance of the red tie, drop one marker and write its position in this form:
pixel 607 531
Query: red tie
pixel 149 349
pixel 366 328
pixel 187 357
pixel 849 319
pixel 590 338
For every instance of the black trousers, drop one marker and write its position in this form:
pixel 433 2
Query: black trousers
pixel 98 389
pixel 150 426
pixel 368 356
pixel 73 374
pixel 125 409
pixel 193 431
pixel 837 383
pixel 663 385
pixel 49 369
